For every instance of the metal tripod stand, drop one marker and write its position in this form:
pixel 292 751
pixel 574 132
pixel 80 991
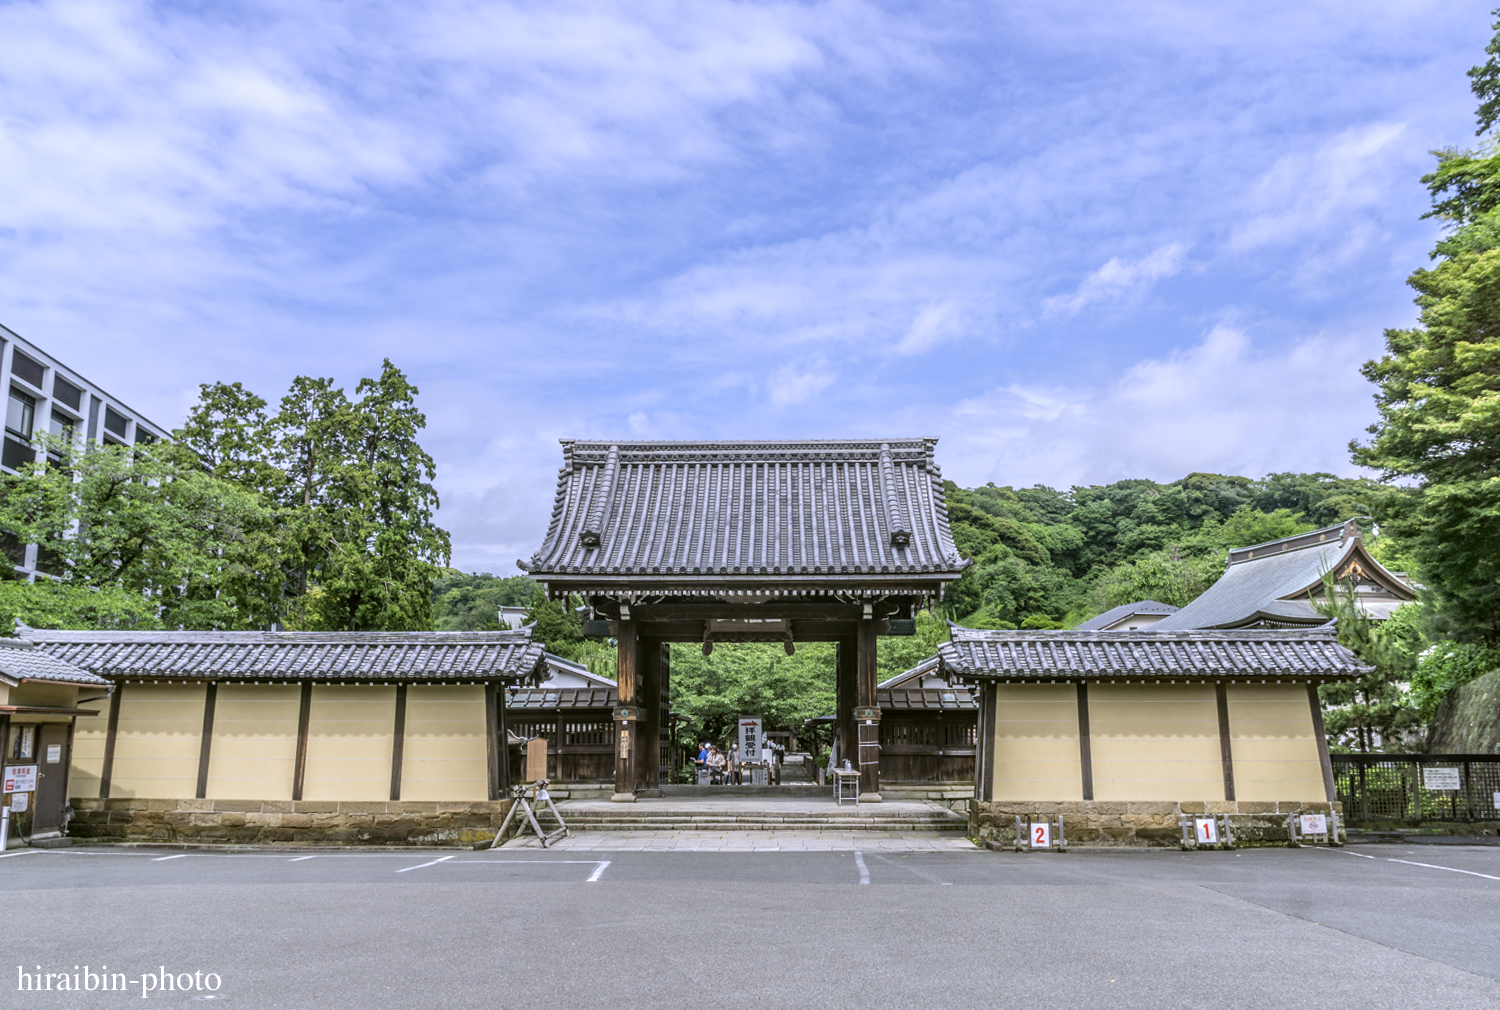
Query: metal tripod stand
pixel 523 803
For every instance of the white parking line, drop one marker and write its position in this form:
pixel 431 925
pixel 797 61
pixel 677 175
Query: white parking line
pixel 406 869
pixel 18 852
pixel 1450 869
pixel 163 859
pixel 598 872
pixel 300 858
pixel 864 871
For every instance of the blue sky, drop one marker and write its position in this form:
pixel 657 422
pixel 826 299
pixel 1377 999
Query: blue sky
pixel 1079 242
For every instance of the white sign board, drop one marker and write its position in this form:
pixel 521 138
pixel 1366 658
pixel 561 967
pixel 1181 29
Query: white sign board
pixel 1315 824
pixel 20 801
pixel 1441 778
pixel 1207 830
pixel 19 779
pixel 1497 801
pixel 751 738
pixel 1041 835
pixel 54 753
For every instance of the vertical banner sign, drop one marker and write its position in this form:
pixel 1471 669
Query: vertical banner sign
pixel 1041 835
pixel 750 738
pixel 1207 829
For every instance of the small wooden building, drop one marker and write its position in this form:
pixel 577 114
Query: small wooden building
pixel 292 736
pixel 1122 731
pixel 41 698
pixel 928 728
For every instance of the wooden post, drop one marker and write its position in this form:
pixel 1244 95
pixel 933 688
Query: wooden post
pixel 205 743
pixel 304 716
pixel 648 736
pixel 627 714
pixel 664 712
pixel 497 741
pixel 1226 752
pixel 110 732
pixel 984 742
pixel 1316 703
pixel 1085 743
pixel 398 742
pixel 866 714
pixel 844 726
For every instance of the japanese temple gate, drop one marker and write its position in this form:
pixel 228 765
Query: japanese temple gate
pixel 706 542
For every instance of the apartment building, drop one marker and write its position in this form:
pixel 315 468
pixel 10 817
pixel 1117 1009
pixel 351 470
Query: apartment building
pixel 45 395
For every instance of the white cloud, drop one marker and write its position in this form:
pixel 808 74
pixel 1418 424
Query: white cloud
pixel 790 385
pixel 933 324
pixel 1223 405
pixel 1118 280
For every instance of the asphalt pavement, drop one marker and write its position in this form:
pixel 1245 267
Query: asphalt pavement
pixel 1364 926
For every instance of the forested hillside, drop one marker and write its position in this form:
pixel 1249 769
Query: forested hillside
pixel 1045 558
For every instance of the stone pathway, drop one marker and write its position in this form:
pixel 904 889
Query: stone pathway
pixel 749 841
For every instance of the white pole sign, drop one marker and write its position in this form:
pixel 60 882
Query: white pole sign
pixel 1314 824
pixel 1041 835
pixel 1207 829
pixel 20 801
pixel 19 779
pixel 750 738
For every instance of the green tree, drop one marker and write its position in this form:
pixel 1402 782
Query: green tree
pixel 1439 391
pixel 472 602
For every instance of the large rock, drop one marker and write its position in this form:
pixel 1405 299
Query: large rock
pixel 1468 720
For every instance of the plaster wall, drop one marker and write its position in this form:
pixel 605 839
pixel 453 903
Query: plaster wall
pixel 1036 743
pixel 443 754
pixel 349 736
pixel 89 734
pixel 1155 742
pixel 158 741
pixel 1275 750
pixel 255 742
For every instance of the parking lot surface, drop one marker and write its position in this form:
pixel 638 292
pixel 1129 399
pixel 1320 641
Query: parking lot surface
pixel 1368 926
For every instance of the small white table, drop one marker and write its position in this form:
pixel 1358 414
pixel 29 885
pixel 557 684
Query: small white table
pixel 843 782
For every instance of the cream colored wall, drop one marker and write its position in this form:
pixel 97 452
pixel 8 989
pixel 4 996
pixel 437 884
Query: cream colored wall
pixel 1271 735
pixel 255 742
pixel 89 734
pixel 158 741
pixel 1155 742
pixel 443 756
pixel 349 737
pixel 1036 743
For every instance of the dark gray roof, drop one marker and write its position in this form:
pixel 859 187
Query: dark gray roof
pixel 298 655
pixel 20 660
pixel 1270 581
pixel 1123 611
pixel 696 512
pixel 928 667
pixel 1302 653
pixel 931 699
pixel 549 699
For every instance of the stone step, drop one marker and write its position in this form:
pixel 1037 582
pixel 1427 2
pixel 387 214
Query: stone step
pixel 606 823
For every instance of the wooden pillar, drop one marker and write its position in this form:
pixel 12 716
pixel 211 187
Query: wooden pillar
pixel 1329 786
pixel 1226 752
pixel 627 712
pixel 111 730
pixel 844 726
pixel 866 713
pixel 984 743
pixel 668 727
pixel 398 742
pixel 206 741
pixel 648 732
pixel 496 742
pixel 1085 742
pixel 304 716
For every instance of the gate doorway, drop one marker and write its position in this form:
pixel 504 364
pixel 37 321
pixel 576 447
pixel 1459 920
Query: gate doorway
pixel 725 542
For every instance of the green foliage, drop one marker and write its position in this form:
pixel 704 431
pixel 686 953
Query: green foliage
pixel 49 603
pixel 1374 712
pixel 751 679
pixel 150 522
pixel 899 653
pixel 1445 666
pixel 463 602
pixel 1054 558
pixel 1439 392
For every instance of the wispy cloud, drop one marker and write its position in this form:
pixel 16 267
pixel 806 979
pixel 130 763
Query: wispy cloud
pixel 1118 280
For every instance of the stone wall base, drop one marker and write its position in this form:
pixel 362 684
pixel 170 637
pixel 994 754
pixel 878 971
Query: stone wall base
pixel 308 822
pixel 1141 824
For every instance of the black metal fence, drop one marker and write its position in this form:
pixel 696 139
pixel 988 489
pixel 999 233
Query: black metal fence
pixel 1412 788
